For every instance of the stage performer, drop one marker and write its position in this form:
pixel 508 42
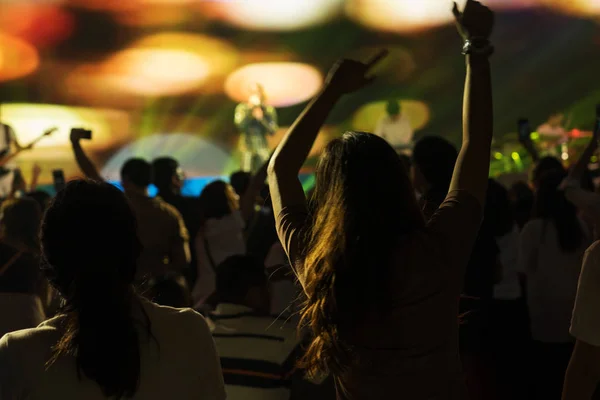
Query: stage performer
pixel 9 145
pixel 395 127
pixel 255 120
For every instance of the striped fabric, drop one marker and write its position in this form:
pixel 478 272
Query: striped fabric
pixel 258 354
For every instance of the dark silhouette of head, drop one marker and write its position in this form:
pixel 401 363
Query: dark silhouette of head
pixel 521 197
pixel 393 108
pixel 20 223
pixel 136 174
pixel 433 164
pixel 41 197
pixel 89 251
pixel 171 290
pixel 552 205
pixel 217 200
pixel 362 204
pixel 168 177
pixel 240 180
pixel 498 211
pixel 543 166
pixel 242 280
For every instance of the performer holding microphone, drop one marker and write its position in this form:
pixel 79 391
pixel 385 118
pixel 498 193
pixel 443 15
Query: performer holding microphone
pixel 255 120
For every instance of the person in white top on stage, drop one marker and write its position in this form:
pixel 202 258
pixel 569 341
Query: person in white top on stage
pixel 395 127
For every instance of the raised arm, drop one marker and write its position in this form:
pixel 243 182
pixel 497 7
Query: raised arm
pixel 287 160
pixel 472 166
pixel 248 200
pixel 84 163
pixel 582 163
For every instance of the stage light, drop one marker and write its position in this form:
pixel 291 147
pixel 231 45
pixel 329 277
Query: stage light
pixel 576 7
pixel 400 15
pixel 197 156
pixel 498 156
pixel 284 83
pixel 325 135
pixel 42 25
pixel 368 116
pixel 159 65
pixel 110 129
pixel 17 58
pixel 276 15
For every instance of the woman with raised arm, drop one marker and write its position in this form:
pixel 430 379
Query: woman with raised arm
pixel 106 341
pixel 382 286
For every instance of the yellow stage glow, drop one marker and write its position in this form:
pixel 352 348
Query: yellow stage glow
pixel 284 83
pixel 326 134
pixel 17 58
pixel 110 129
pixel 400 15
pixel 367 117
pixel 160 65
pixel 276 15
pixel 577 7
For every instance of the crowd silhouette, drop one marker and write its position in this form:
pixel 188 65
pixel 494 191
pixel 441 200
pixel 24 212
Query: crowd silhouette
pixel 397 277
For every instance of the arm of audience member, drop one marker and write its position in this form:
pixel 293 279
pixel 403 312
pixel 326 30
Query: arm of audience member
pixel 583 373
pixel 529 146
pixel 576 173
pixel 248 200
pixel 287 160
pixel 85 164
pixel 472 166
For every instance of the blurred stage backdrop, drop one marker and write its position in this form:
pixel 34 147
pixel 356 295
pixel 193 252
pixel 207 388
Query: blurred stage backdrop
pixel 162 77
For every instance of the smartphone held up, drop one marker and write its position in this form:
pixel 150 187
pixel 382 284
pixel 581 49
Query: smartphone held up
pixel 81 134
pixel 58 177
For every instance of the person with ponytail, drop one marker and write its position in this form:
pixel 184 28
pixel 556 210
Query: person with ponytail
pixel 106 342
pixel 382 285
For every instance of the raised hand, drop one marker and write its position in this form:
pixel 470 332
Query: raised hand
pixel 475 21
pixel 37 170
pixel 347 76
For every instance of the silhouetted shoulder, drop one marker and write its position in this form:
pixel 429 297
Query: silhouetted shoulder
pixel 184 319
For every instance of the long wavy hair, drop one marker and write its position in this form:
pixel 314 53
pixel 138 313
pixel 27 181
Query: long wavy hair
pixel 362 204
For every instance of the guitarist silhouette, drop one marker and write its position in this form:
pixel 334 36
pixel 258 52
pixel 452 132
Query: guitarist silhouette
pixel 9 149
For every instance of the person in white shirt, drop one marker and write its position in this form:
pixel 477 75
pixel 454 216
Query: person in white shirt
pixel 106 342
pixel 551 249
pixel 395 127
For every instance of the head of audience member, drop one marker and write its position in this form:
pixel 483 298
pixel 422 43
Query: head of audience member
pixel 432 166
pixel 41 197
pixel 543 166
pixel 218 199
pixel 240 180
pixel 362 204
pixel 552 205
pixel 168 176
pixel 406 161
pixel 242 280
pixel 521 197
pixel 136 175
pixel 89 252
pixel 498 209
pixel 171 291
pixel 393 108
pixel 20 223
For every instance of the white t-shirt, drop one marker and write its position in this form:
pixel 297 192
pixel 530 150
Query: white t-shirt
pixel 552 277
pixel 178 362
pixel 585 324
pixel 509 287
pixel 225 238
pixel 397 131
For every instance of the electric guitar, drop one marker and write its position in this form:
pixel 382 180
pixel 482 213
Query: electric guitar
pixel 5 157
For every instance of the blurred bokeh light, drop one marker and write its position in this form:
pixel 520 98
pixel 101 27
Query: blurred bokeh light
pixel 325 135
pixel 159 65
pixel 368 116
pixel 197 156
pixel 17 58
pixel 279 15
pixel 42 25
pixel 284 83
pixel 578 7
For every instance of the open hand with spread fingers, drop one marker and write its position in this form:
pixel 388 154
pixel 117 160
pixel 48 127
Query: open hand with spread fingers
pixel 475 21
pixel 348 76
